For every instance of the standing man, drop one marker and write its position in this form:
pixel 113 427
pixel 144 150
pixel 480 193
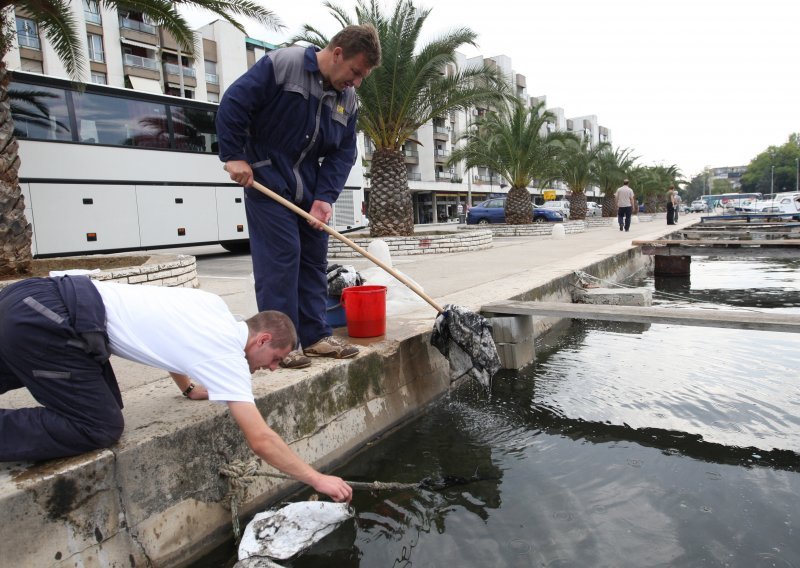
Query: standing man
pixel 625 200
pixel 290 123
pixel 56 335
pixel 671 205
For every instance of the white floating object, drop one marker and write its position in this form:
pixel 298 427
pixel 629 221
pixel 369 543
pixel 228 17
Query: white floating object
pixel 282 533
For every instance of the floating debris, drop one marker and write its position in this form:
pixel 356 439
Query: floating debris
pixel 465 338
pixel 285 532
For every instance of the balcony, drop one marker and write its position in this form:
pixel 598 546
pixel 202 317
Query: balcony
pixel 29 41
pixel 440 132
pixel 212 78
pixel 444 176
pixel 414 176
pixel 411 155
pixel 484 179
pixel 141 62
pixel 129 24
pixel 441 155
pixel 175 69
pixel 93 18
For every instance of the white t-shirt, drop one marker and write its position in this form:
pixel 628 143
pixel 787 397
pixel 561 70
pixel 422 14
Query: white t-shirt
pixel 182 330
pixel 624 196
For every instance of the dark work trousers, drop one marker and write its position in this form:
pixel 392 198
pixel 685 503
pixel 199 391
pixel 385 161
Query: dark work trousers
pixel 41 351
pixel 670 213
pixel 290 262
pixel 624 217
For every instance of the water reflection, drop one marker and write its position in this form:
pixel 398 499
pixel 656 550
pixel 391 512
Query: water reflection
pixel 623 445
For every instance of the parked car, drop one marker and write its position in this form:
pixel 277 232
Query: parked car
pixel 698 206
pixel 494 211
pixel 594 209
pixel 561 206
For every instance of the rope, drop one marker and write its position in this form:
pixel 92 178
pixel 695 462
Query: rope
pixel 241 474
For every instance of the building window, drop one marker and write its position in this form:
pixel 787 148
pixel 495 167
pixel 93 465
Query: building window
pixel 28 33
pixel 91 12
pixel 211 72
pixel 213 97
pixel 99 78
pixel 95 43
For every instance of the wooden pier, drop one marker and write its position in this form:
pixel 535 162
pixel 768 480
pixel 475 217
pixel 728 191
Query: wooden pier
pixel 773 248
pixel 674 316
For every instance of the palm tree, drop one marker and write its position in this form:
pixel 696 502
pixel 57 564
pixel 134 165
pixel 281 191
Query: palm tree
pixel 414 85
pixel 55 19
pixel 577 163
pixel 612 168
pixel 651 183
pixel 509 142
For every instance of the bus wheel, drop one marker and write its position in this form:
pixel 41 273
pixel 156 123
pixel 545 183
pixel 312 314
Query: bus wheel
pixel 237 247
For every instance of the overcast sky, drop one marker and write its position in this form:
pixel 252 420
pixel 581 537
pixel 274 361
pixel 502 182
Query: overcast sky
pixel 693 83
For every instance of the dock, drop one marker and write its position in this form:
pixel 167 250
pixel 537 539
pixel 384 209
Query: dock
pixel 774 248
pixel 638 314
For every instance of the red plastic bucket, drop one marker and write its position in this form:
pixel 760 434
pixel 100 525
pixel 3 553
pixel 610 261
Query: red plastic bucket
pixel 365 310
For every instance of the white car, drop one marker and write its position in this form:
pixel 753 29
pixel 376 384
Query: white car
pixel 787 202
pixel 698 206
pixel 594 209
pixel 562 206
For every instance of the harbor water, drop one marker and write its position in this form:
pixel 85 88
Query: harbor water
pixel 622 445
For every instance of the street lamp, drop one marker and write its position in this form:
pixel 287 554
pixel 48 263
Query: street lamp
pixel 772 182
pixel 797 175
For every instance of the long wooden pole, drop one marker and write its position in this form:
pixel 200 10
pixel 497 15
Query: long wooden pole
pixel 337 235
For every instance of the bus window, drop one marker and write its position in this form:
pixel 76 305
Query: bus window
pixel 39 113
pixel 121 122
pixel 194 129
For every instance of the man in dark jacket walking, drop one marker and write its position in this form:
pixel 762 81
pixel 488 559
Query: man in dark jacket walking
pixel 290 123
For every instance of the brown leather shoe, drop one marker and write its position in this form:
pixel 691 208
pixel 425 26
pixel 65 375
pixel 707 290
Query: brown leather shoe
pixel 331 347
pixel 295 360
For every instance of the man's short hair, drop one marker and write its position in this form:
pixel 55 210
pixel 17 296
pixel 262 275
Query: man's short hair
pixel 625 182
pixel 359 39
pixel 276 323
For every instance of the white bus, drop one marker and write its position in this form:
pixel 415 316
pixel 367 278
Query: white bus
pixel 107 170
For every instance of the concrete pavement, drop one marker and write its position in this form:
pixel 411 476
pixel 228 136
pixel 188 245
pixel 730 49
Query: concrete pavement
pixel 163 504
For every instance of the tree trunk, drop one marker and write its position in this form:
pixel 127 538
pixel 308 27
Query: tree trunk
pixel 577 206
pixel 519 208
pixel 15 231
pixel 609 205
pixel 390 208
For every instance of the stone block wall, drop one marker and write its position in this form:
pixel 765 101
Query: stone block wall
pixel 455 241
pixel 159 270
pixel 165 270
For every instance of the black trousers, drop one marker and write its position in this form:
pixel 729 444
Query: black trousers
pixel 39 350
pixel 670 214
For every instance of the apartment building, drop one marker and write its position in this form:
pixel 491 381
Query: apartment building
pixel 126 50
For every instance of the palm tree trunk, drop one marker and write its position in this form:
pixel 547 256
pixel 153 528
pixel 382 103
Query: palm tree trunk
pixel 609 205
pixel 577 206
pixel 15 231
pixel 519 210
pixel 390 208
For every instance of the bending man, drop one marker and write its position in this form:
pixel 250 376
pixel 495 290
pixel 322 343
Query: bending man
pixel 56 335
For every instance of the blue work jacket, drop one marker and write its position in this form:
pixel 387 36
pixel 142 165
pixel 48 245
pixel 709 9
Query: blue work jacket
pixel 299 138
